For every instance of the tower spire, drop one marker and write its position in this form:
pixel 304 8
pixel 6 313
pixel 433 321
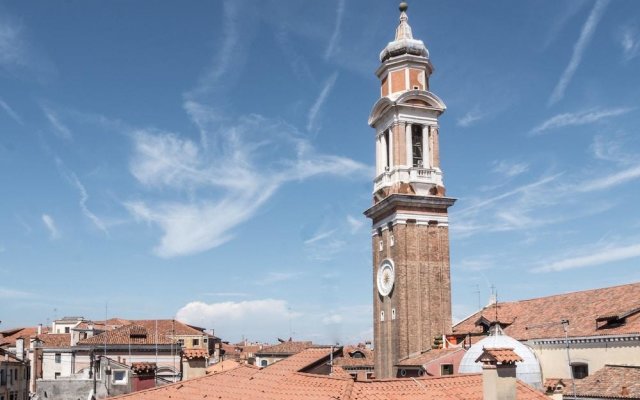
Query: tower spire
pixel 403 31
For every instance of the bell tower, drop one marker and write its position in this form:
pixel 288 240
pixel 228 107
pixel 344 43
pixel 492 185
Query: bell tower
pixel 410 235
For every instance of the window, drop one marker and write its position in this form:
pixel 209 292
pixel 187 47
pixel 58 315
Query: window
pixel 446 369
pixel 181 342
pixel 196 342
pixel 386 144
pixel 403 372
pixel 416 145
pixel 58 358
pixel 119 377
pixel 205 340
pixel 392 240
pixel 56 375
pixel 579 370
pixel 393 313
pixel 381 315
pixel 66 329
pixel 381 245
pixel 264 363
pixel 3 379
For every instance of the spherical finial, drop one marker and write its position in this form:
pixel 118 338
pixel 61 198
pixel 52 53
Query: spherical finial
pixel 404 6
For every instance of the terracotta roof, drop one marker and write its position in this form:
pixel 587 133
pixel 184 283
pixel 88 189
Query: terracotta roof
pixel 453 387
pixel 143 367
pixel 143 332
pixel 191 354
pixel 128 334
pixel 499 355
pixel 611 382
pixel 529 319
pixel 222 366
pixel 55 340
pixel 428 356
pixel 300 361
pixel 286 348
pixel 339 372
pixel 11 357
pixel 551 384
pixel 168 327
pixel 283 381
pixel 8 337
pixel 351 357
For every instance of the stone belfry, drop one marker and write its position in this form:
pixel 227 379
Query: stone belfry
pixel 410 235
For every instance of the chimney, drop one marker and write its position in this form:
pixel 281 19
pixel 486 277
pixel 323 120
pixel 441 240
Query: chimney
pixel 498 373
pixel 39 329
pixel 20 348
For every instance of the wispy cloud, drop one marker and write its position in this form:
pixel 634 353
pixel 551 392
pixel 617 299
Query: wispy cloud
pixel 609 181
pixel 6 293
pixel 72 178
pixel 84 197
pixel 509 169
pixel 355 224
pixel 569 10
pixel 320 236
pixel 579 118
pixel 611 149
pixel 597 256
pixel 312 116
pixel 277 277
pixel 231 51
pixel 579 48
pixel 630 42
pixel 50 224
pixel 541 202
pixel 298 63
pixel 12 45
pixel 59 128
pixel 335 36
pixel 471 117
pixel 227 184
pixel 10 112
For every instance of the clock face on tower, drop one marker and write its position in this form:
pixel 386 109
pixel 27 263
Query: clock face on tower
pixel 386 277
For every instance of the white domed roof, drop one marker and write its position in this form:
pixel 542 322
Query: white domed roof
pixel 528 370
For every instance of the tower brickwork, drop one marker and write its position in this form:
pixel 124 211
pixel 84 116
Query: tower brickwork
pixel 410 235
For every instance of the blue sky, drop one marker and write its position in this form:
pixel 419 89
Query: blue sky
pixel 212 160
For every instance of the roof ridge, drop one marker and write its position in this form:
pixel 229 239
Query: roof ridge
pixel 564 294
pixel 199 378
pixel 621 366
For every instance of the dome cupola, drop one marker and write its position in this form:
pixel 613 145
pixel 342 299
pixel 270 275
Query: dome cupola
pixel 404 42
pixel 528 371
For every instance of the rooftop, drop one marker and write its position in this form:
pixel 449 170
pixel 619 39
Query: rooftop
pixel 288 347
pixel 284 380
pixel 607 311
pixel 143 332
pixel 612 381
pixel 428 356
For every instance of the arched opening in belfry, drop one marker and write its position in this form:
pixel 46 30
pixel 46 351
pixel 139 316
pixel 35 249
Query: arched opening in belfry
pixel 417 145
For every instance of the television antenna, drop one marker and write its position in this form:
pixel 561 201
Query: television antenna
pixel 565 327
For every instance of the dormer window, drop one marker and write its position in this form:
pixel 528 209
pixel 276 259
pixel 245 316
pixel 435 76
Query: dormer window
pixel 614 320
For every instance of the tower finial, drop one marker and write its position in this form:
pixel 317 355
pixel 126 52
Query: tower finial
pixel 404 30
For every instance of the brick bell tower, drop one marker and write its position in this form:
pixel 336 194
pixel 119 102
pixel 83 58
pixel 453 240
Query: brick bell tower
pixel 410 236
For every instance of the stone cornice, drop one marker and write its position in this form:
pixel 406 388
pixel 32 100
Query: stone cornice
pixel 393 201
pixel 587 340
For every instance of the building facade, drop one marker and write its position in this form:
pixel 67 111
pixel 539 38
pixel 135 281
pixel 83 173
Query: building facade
pixel 410 236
